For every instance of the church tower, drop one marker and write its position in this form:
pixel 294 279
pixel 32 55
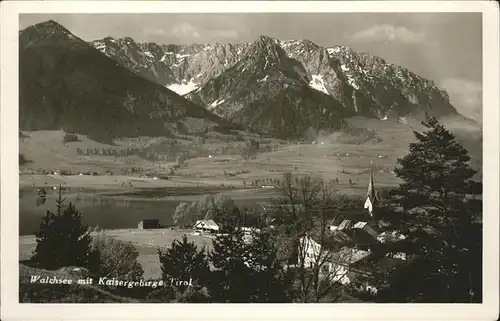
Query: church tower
pixel 371 196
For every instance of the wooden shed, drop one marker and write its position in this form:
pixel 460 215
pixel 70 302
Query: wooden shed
pixel 149 224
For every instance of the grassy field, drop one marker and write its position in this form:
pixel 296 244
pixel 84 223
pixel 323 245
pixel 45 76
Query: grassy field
pixel 147 243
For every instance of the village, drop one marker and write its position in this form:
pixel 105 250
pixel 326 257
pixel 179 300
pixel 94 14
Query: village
pixel 351 250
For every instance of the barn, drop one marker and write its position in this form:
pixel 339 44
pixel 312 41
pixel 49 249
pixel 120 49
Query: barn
pixel 149 224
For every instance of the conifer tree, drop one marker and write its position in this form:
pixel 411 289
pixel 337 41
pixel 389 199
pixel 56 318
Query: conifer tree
pixel 183 261
pixel 63 240
pixel 441 216
pixel 272 282
pixel 247 268
pixel 230 281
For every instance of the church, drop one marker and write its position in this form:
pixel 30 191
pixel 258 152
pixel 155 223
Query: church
pixel 360 224
pixel 358 230
pixel 371 196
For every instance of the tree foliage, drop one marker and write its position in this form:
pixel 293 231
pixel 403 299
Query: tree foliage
pixel 183 261
pixel 63 240
pixel 271 281
pixel 441 215
pixel 219 208
pixel 118 258
pixel 246 269
pixel 229 281
pixel 250 149
pixel 70 137
pixel 182 215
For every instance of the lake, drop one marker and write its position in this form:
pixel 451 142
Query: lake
pixel 108 212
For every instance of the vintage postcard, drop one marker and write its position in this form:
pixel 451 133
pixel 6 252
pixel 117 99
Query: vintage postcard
pixel 227 153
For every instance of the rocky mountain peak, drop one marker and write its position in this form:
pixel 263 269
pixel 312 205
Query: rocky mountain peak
pixel 48 32
pixel 266 51
pixel 298 47
pixel 49 26
pixel 267 39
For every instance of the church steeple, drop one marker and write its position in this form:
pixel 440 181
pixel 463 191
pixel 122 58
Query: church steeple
pixel 371 196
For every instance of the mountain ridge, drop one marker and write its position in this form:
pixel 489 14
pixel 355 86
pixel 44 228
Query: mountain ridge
pixel 384 89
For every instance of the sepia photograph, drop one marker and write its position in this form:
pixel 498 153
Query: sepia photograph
pixel 250 157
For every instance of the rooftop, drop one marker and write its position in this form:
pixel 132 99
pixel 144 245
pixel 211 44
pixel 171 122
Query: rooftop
pixel 349 255
pixel 207 224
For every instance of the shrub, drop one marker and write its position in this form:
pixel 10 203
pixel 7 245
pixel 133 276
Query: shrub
pixel 68 138
pixel 118 258
pixel 164 294
pixel 191 295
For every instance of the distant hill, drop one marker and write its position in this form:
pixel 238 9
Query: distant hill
pixel 64 83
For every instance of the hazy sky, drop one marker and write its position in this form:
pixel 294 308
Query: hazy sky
pixel 444 47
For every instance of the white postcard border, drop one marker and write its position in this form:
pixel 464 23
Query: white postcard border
pixel 10 179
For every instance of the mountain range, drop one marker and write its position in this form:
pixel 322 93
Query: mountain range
pixel 284 88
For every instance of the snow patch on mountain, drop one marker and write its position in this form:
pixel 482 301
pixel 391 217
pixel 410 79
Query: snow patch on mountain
pixel 318 84
pixel 179 57
pixel 352 82
pixel 101 47
pixel 164 57
pixel 351 79
pixel 355 103
pixel 264 79
pixel 334 50
pixel 184 87
pixel 216 103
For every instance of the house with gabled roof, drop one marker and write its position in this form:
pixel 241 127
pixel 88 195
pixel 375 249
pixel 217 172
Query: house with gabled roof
pixel 206 226
pixel 334 264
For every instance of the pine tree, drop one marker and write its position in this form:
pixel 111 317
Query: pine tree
pixel 441 216
pixel 63 240
pixel 182 261
pixel 272 283
pixel 246 269
pixel 231 279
